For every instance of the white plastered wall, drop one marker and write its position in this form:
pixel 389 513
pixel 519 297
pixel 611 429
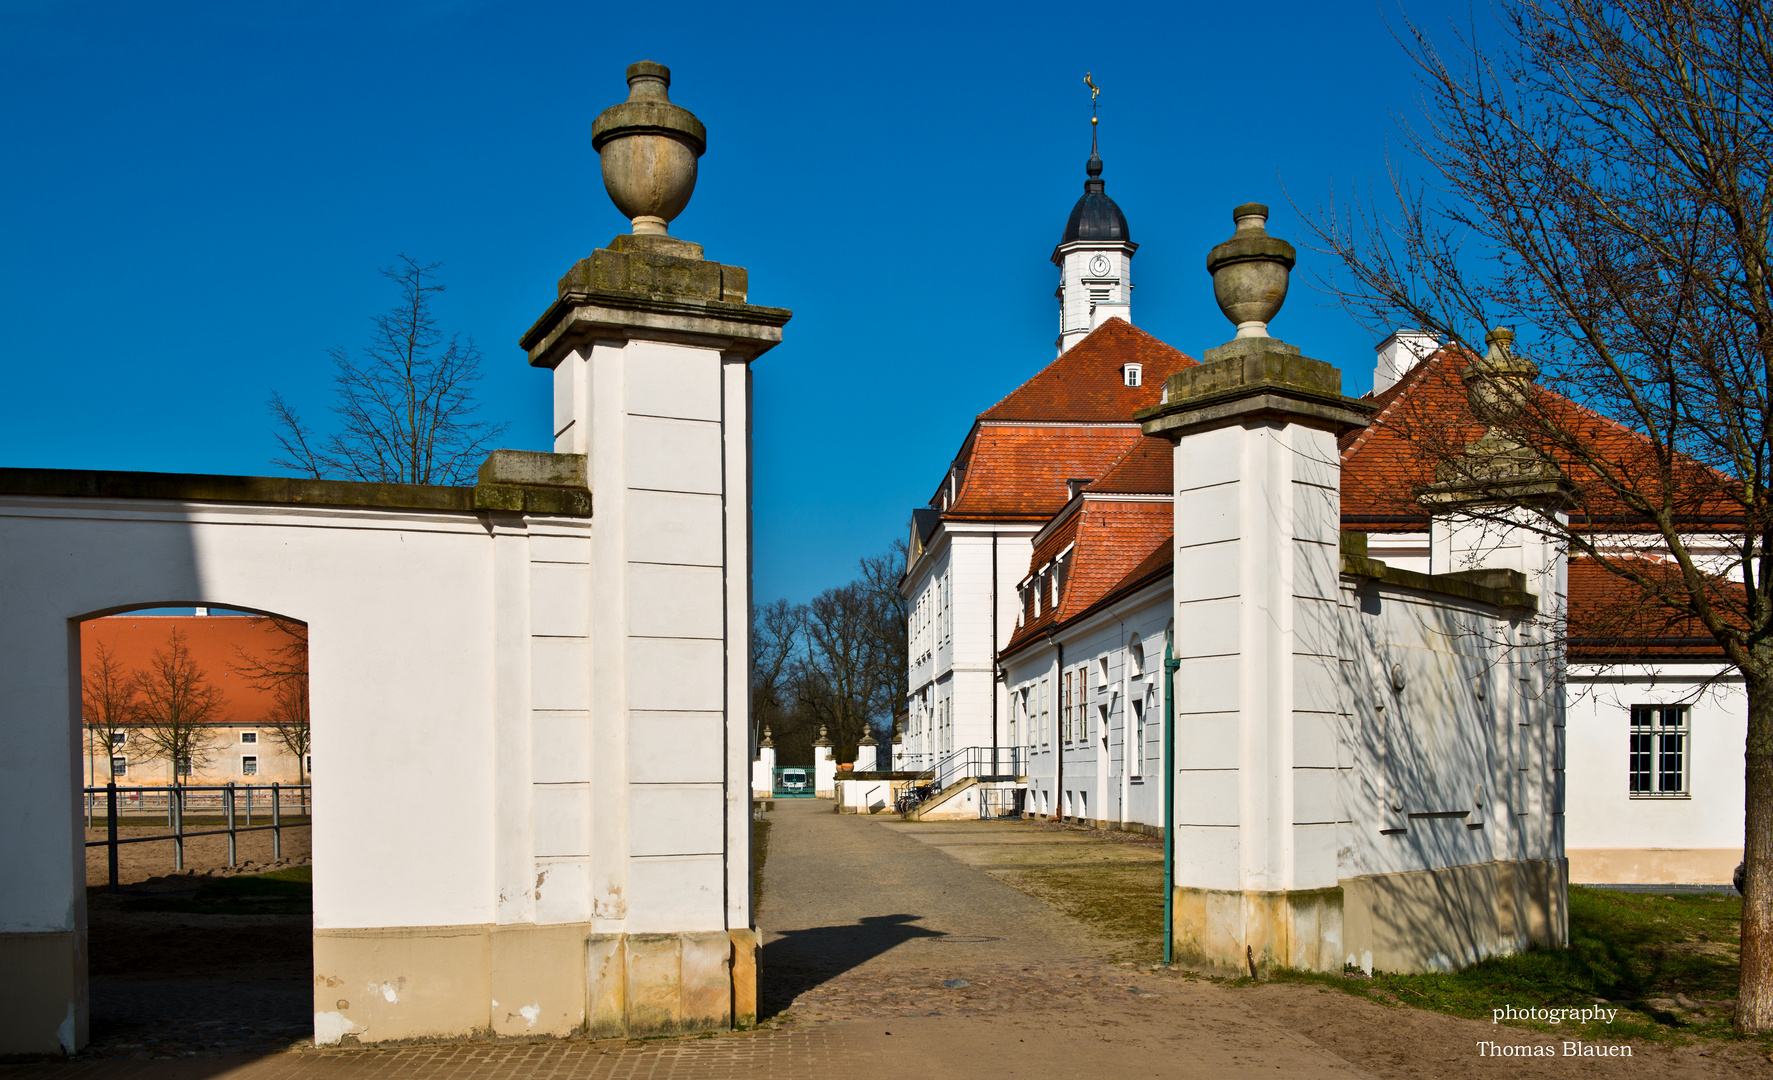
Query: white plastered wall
pixel 1614 836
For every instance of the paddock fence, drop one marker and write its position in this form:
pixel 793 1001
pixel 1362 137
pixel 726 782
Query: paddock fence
pixel 181 801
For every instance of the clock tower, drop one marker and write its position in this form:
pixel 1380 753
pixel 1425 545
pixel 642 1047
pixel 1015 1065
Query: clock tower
pixel 1095 259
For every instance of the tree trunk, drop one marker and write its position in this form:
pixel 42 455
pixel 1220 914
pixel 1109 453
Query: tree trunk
pixel 1754 999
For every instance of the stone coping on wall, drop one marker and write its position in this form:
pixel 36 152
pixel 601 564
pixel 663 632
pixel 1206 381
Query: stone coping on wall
pixel 1506 589
pixel 496 491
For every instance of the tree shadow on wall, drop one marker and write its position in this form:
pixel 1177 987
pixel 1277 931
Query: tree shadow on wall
pixel 800 960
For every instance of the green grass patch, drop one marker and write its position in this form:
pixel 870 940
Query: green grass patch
pixel 289 891
pixel 1667 963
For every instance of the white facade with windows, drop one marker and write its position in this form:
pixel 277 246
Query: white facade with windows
pixel 1088 710
pixel 954 701
pixel 1656 789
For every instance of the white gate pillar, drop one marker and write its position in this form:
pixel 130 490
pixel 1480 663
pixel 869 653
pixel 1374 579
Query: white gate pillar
pixel 650 345
pixel 1257 532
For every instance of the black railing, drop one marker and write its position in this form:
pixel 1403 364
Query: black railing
pixel 984 763
pixel 980 762
pixel 179 798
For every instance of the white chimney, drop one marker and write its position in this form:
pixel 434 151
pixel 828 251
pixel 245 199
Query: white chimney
pixel 1397 354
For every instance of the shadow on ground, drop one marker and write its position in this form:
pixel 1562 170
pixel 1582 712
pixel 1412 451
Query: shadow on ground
pixel 800 960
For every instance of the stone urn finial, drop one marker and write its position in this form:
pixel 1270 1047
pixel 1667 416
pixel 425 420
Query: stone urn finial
pixel 766 737
pixel 649 148
pixel 823 739
pixel 1496 385
pixel 1250 272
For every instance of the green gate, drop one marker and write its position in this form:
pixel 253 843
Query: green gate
pixel 793 783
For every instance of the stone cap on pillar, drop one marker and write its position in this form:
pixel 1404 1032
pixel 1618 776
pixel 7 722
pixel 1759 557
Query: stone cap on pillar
pixel 1254 378
pixel 766 739
pixel 868 739
pixel 647 284
pixel 822 740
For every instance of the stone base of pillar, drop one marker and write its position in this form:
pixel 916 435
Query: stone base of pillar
pixel 1232 931
pixel 1416 921
pixel 43 1003
pixel 410 984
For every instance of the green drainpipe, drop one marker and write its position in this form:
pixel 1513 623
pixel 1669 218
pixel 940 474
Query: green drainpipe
pixel 1170 666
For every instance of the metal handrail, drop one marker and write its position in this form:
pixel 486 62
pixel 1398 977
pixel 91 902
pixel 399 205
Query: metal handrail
pixel 971 762
pixel 175 797
pixel 977 761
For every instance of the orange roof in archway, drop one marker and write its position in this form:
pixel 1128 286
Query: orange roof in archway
pixel 216 644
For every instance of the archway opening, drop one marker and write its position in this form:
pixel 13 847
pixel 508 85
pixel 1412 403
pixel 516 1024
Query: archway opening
pixel 196 755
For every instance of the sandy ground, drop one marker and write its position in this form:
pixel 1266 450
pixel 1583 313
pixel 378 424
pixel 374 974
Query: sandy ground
pixel 204 855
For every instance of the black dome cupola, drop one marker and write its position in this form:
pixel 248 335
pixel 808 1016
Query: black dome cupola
pixel 1095 217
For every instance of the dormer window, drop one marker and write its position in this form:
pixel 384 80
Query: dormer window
pixel 1132 374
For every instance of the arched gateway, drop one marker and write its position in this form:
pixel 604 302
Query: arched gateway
pixel 554 658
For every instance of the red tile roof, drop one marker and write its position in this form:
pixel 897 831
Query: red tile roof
pixel 1426 417
pixel 1018 472
pixel 1614 619
pixel 1110 542
pixel 1085 385
pixel 215 643
pixel 1145 468
pixel 1072 421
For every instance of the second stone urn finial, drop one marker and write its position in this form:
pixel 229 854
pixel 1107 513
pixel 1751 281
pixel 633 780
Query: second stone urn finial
pixel 1250 272
pixel 649 148
pixel 1496 384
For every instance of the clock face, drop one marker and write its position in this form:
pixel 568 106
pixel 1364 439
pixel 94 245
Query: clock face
pixel 1099 266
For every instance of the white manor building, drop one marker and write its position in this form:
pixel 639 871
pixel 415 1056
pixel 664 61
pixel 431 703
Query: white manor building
pixel 1053 566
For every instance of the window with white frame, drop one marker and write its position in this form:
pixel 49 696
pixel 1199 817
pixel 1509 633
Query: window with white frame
pixel 119 766
pixel 118 738
pixel 1046 699
pixel 1659 750
pixel 1135 658
pixel 1133 374
pixel 1102 723
pixel 1102 672
pixel 249 737
pixel 183 768
pixel 249 765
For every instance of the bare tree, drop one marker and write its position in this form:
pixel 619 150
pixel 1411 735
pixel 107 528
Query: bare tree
pixel 283 672
pixel 405 405
pixel 177 708
pixel 891 620
pixel 1604 178
pixel 837 662
pixel 775 644
pixel 107 701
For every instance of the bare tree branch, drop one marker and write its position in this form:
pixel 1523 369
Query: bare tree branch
pixel 404 405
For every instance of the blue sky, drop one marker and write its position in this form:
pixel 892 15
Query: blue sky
pixel 196 198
